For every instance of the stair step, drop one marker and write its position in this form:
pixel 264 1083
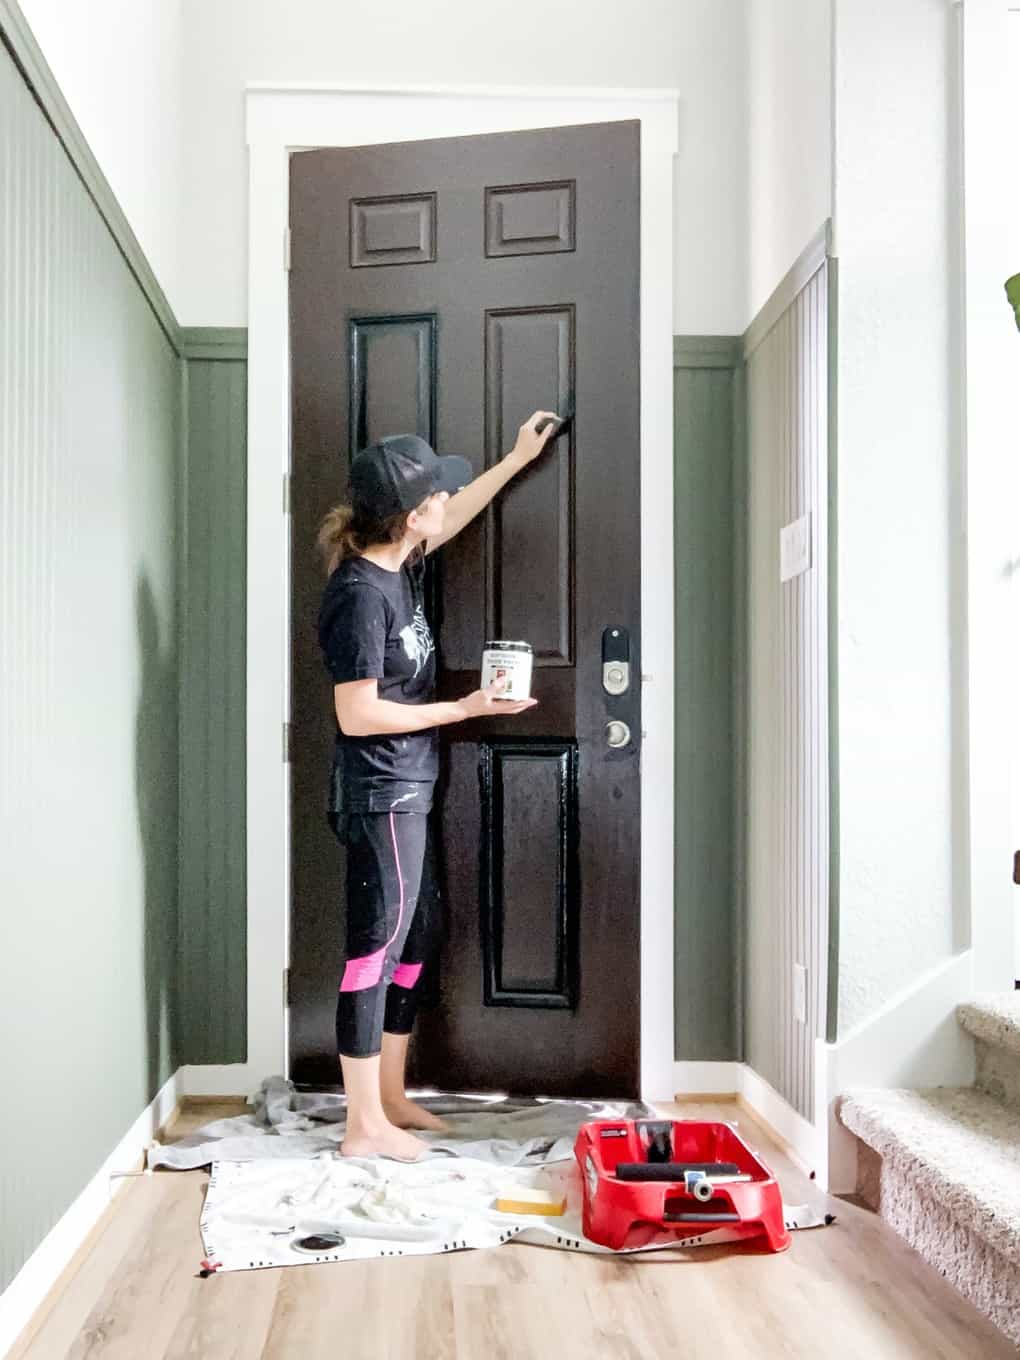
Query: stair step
pixel 950 1184
pixel 995 1020
pixel 963 1144
pixel 994 1024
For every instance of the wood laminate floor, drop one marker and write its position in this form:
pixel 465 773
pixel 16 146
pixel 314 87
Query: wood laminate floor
pixel 853 1290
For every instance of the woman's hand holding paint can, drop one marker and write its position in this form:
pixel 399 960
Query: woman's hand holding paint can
pixel 489 702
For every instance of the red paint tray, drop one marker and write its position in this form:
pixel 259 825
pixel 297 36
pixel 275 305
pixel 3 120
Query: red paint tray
pixel 683 1176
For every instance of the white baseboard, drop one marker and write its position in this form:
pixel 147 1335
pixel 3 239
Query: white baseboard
pixel 227 1079
pixel 25 1294
pixel 706 1078
pixel 800 1138
pixel 914 1040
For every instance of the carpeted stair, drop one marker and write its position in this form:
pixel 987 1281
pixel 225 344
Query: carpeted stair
pixel 994 1023
pixel 942 1166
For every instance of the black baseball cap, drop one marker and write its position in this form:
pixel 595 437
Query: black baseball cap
pixel 399 472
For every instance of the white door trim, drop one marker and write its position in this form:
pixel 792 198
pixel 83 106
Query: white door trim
pixel 278 120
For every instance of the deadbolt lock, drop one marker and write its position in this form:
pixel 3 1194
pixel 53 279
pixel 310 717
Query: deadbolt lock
pixel 616 677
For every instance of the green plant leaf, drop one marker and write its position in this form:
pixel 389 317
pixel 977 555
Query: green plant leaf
pixel 1013 293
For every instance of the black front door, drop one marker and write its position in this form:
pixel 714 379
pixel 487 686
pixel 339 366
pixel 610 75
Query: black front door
pixel 451 288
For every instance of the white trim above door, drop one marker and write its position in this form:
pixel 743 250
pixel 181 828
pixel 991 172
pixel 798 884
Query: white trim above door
pixel 281 119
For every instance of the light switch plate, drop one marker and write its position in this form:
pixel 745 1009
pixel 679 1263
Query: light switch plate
pixel 800 993
pixel 795 548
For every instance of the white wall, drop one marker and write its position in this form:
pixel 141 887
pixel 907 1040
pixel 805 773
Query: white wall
pixel 158 89
pixel 901 629
pixel 1012 186
pixel 118 65
pixel 695 45
pixel 789 136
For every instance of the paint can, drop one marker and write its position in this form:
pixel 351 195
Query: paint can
pixel 511 662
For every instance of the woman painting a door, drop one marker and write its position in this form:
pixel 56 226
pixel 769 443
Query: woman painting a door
pixel 405 502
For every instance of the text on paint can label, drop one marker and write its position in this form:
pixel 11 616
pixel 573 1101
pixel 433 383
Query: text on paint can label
pixel 510 662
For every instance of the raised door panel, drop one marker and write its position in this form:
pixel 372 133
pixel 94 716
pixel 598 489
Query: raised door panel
pixel 392 378
pixel 529 873
pixel 526 351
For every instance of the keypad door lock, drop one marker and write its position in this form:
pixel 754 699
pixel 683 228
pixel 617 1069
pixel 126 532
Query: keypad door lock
pixel 616 661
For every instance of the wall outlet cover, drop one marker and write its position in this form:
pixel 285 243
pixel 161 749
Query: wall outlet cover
pixel 795 548
pixel 800 993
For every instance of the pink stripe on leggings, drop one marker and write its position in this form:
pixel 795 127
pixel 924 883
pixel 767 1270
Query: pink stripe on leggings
pixel 363 972
pixel 406 974
pixel 366 971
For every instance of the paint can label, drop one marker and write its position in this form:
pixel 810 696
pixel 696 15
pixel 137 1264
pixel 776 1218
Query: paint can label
pixel 510 662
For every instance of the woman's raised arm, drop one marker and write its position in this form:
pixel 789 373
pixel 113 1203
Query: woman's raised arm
pixel 462 508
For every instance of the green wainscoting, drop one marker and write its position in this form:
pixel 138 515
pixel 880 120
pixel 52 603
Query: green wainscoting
pixel 706 409
pixel 212 927
pixel 90 431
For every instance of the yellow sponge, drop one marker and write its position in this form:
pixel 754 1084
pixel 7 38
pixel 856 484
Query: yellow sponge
pixel 525 1199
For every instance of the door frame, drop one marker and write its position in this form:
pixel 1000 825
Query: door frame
pixel 285 118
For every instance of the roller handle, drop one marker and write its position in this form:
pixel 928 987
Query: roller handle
pixel 671 1171
pixel 701 1218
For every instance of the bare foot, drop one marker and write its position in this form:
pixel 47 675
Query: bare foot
pixel 407 1115
pixel 382 1140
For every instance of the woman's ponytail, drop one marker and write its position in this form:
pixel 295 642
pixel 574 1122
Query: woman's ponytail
pixel 344 534
pixel 335 538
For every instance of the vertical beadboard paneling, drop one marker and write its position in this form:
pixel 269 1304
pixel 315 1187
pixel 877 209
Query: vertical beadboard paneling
pixel 89 424
pixel 786 891
pixel 212 749
pixel 706 933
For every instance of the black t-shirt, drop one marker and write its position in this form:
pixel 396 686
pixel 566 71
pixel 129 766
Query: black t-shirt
pixel 372 626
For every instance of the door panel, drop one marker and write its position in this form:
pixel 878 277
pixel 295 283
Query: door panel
pixel 529 873
pixel 397 230
pixel 393 377
pixel 450 288
pixel 526 352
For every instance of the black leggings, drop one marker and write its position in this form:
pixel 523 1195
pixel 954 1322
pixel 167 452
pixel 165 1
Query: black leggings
pixel 392 922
